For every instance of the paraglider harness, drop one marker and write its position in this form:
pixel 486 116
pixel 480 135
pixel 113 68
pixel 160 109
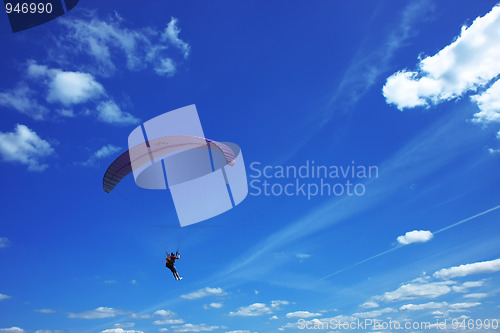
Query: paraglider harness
pixel 170 260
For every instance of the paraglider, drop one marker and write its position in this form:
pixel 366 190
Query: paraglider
pixel 205 177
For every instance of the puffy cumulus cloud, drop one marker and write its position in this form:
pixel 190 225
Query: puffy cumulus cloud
pixel 64 91
pixel 46 311
pixel 416 290
pixel 24 146
pixel 213 305
pixel 103 152
pixel 415 236
pixel 2 297
pixel 171 34
pixel 470 62
pixel 23 99
pixel 120 330
pixel 204 292
pixel 194 328
pixel 73 88
pixel 489 104
pixel 12 330
pixel 273 317
pixel 104 42
pixel 302 314
pixel 100 312
pixel 66 87
pixel 109 112
pixel 253 310
pixel 165 313
pixel 425 306
pixel 4 242
pixel 370 305
pixel 374 313
pixel 468 269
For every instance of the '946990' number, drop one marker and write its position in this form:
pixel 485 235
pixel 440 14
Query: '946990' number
pixel 26 8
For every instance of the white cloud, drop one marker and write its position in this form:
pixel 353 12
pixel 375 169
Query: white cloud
pixel 303 256
pixel 425 306
pixel 415 236
pixel 140 316
pixel 100 312
pixel 204 292
pixel 49 331
pixel 2 297
pixel 46 311
pixel 109 112
pixel 370 305
pixel 4 241
pixel 464 287
pixel 476 295
pixel 171 34
pixel 194 328
pixel 302 314
pixel 470 62
pixel 374 314
pixel 489 104
pixel 213 306
pixel 168 322
pixel 12 330
pixel 416 290
pixel 165 313
pixel 124 325
pixel 104 41
pixel 276 304
pixel 165 67
pixel 239 331
pixel 464 305
pixel 22 99
pixel 468 269
pixel 73 88
pixel 273 317
pixel 253 310
pixel 103 152
pixel 120 330
pixel 26 147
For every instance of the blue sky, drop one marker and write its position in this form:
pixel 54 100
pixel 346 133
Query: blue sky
pixel 407 87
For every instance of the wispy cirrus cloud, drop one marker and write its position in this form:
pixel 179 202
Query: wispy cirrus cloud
pixel 4 242
pixel 104 43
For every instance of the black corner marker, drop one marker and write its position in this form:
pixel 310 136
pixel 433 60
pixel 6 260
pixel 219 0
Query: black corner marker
pixel 26 14
pixel 70 4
